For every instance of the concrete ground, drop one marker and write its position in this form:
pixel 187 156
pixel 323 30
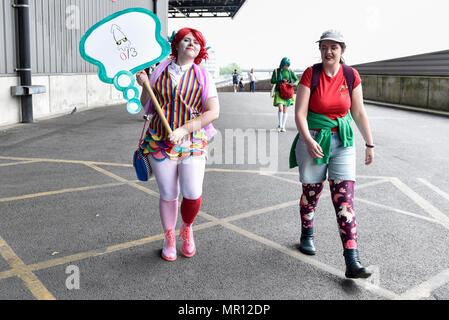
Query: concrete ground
pixel 77 224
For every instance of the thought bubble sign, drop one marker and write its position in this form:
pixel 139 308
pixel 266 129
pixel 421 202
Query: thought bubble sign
pixel 122 44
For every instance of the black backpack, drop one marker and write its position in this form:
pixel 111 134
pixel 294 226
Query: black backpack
pixel 316 73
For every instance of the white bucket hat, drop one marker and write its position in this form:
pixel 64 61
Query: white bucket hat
pixel 333 35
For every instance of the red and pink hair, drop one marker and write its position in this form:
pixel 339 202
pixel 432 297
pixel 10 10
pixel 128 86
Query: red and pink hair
pixel 198 36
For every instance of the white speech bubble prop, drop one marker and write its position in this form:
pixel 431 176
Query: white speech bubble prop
pixel 122 44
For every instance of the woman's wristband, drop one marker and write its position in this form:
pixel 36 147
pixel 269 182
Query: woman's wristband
pixel 369 145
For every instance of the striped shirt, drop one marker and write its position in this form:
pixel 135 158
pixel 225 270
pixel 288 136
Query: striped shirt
pixel 180 103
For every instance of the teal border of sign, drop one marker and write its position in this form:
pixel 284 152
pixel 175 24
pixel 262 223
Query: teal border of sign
pixel 166 49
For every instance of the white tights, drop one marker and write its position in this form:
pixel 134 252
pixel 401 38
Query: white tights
pixel 171 175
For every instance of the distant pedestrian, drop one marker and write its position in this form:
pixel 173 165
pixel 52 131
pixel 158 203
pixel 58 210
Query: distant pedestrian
pixel 235 80
pixel 285 79
pixel 328 94
pixel 252 80
pixel 241 84
pixel 178 159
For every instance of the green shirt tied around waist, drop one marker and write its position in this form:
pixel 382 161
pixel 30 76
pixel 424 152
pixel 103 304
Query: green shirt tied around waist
pixel 324 138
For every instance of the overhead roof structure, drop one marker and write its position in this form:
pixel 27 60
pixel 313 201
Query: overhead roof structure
pixel 204 8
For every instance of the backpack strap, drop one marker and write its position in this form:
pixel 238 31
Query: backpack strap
pixel 316 73
pixel 349 76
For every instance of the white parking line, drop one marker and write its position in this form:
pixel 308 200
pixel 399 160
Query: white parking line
pixel 420 201
pixel 414 215
pixel 434 188
pixel 425 289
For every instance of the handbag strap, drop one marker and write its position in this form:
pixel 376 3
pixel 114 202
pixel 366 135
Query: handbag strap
pixel 143 130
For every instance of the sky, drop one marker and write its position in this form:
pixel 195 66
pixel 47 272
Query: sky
pixel 265 31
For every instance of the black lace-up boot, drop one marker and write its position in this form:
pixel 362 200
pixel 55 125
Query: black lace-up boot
pixel 354 268
pixel 306 245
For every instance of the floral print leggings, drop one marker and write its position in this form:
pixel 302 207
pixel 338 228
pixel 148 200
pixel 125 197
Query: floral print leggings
pixel 342 193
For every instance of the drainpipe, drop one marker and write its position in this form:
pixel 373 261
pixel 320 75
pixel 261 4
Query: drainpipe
pixel 26 89
pixel 24 54
pixel 155 7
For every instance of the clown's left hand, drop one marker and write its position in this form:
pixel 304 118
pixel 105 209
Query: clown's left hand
pixel 176 136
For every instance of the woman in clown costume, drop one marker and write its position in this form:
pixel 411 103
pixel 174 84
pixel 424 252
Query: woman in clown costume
pixel 188 99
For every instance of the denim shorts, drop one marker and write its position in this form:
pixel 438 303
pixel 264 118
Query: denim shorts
pixel 341 164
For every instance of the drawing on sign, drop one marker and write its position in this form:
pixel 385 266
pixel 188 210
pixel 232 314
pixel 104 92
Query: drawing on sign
pixel 121 45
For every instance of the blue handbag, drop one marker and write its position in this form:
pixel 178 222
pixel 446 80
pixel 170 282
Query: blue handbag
pixel 140 162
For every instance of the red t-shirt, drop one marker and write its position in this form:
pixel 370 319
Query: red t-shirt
pixel 331 97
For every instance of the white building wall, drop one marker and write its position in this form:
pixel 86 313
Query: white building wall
pixel 63 94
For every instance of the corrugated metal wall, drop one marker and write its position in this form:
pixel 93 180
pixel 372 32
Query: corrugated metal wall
pixel 56 29
pixel 7 42
pixel 429 64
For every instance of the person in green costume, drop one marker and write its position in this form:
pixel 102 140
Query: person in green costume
pixel 283 74
pixel 324 147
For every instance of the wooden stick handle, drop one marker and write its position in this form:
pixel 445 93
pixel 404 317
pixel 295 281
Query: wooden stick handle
pixel 157 107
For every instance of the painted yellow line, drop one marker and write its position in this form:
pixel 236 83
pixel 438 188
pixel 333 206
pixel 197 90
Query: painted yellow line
pixel 68 161
pixel 288 204
pixel 16 163
pixel 105 172
pixel 49 193
pixel 8 274
pixel 242 171
pixel 118 178
pixel 262 210
pixel 296 254
pixel 31 281
pixel 99 252
pixel 311 261
pixel 213 221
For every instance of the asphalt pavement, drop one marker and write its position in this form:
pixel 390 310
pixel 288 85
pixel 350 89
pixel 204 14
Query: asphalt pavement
pixel 77 224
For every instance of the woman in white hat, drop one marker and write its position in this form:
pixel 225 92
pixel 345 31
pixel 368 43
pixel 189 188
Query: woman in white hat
pixel 329 96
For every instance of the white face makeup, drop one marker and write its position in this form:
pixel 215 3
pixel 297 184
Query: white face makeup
pixel 188 48
pixel 331 51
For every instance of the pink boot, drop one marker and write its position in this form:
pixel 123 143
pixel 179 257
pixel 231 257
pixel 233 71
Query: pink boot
pixel 188 248
pixel 169 212
pixel 169 250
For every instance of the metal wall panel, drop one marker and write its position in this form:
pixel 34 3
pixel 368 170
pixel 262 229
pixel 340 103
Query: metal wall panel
pixel 56 28
pixel 2 39
pixel 429 64
pixel 7 43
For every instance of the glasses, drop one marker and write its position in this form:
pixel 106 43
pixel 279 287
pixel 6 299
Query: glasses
pixel 119 42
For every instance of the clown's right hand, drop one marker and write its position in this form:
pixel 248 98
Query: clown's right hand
pixel 142 77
